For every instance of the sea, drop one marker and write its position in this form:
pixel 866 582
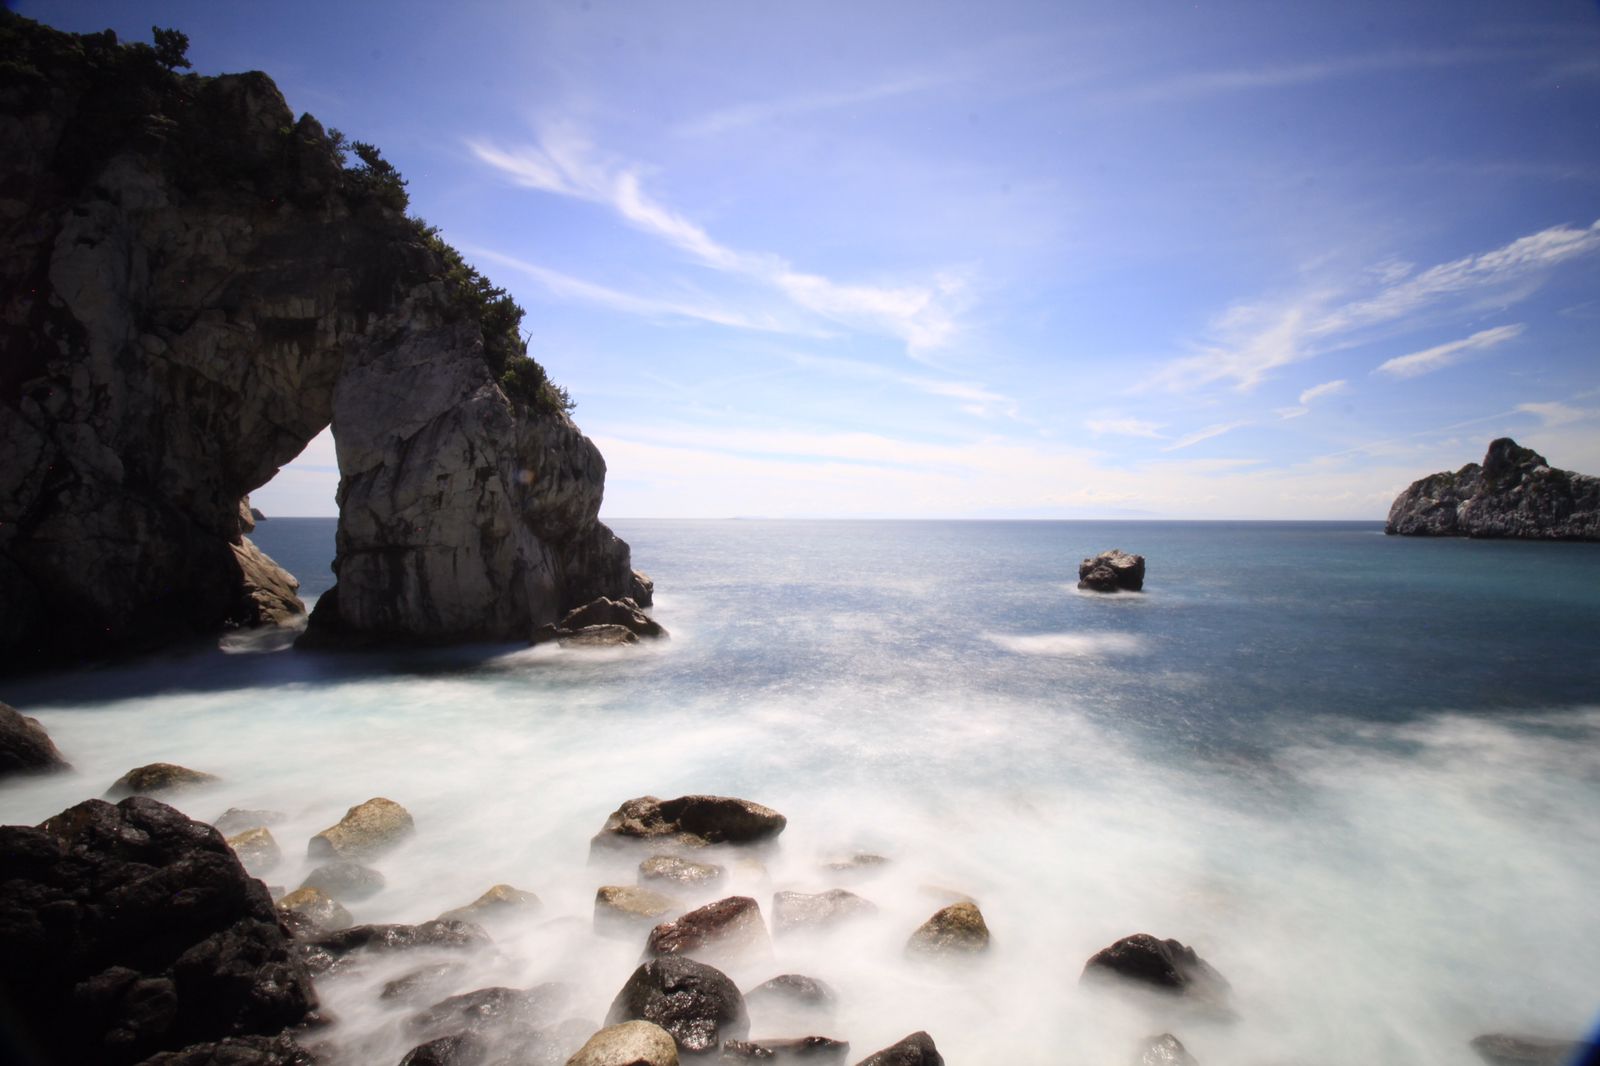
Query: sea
pixel 1358 774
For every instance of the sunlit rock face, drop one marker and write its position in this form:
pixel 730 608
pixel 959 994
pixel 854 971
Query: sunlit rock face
pixel 191 288
pixel 1514 493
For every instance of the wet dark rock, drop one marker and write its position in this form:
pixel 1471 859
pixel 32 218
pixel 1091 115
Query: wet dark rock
pixel 607 612
pixel 1164 966
pixel 1112 571
pixel 498 903
pixel 958 929
pixel 129 930
pixel 257 850
pixel 691 821
pixel 335 951
pixel 637 1043
pixel 25 748
pixel 345 881
pixel 501 1013
pixel 793 911
pixel 157 777
pixel 1511 1049
pixel 457 1049
pixel 236 820
pixel 788 1051
pixel 680 871
pixel 729 929
pixel 597 637
pixel 366 829
pixel 627 909
pixel 316 912
pixel 792 993
pixel 915 1050
pixel 694 1002
pixel 1515 493
pixel 1164 1050
pixel 237 1051
pixel 423 982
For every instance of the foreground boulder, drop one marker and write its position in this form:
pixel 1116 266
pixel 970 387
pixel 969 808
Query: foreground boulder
pixel 25 748
pixel 1509 1049
pixel 1112 571
pixel 728 930
pixel 628 1044
pixel 366 830
pixel 128 930
pixel 689 821
pixel 158 777
pixel 1162 966
pixel 694 1002
pixel 958 929
pixel 1514 493
pixel 915 1050
pixel 795 911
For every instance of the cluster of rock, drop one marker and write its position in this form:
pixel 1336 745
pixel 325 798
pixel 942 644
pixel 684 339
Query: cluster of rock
pixel 1112 571
pixel 1515 493
pixel 602 622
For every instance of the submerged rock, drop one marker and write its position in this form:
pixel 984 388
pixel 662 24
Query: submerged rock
pixel 689 821
pixel 636 1043
pixel 235 820
pixel 25 747
pixel 129 930
pixel 334 951
pixel 423 981
pixel 1164 1050
pixel 501 901
pixel 318 912
pixel 158 777
pixel 794 911
pixel 365 830
pixel 694 1002
pixel 1509 1049
pixel 1112 571
pixel 597 637
pixel 1515 493
pixel 792 994
pixel 729 929
pixel 788 1051
pixel 498 1012
pixel 1163 966
pixel 680 871
pixel 958 929
pixel 345 881
pixel 915 1050
pixel 625 909
pixel 257 850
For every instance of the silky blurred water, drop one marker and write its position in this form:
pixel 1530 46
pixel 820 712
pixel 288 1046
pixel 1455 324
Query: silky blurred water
pixel 1360 774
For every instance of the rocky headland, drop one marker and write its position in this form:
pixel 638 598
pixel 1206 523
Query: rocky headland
pixel 1514 493
pixel 194 282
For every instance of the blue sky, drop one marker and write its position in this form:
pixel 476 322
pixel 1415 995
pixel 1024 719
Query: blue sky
pixel 1048 260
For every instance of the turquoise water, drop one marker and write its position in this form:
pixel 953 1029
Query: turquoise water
pixel 1361 774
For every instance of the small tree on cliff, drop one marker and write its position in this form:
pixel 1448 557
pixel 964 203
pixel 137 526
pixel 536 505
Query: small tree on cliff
pixel 172 48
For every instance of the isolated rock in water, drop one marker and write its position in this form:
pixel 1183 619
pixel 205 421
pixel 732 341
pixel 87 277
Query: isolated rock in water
pixel 792 993
pixel 345 881
pixel 501 901
pixel 257 850
pixel 671 868
pixel 597 637
pixel 333 952
pixel 237 1051
pixel 24 745
pixel 690 821
pixel 792 911
pixel 127 930
pixel 729 929
pixel 958 929
pixel 628 1044
pixel 791 1051
pixel 156 778
pixel 1515 493
pixel 457 1049
pixel 603 611
pixel 1164 1050
pixel 1112 571
pixel 694 1002
pixel 235 820
pixel 365 830
pixel 320 913
pixel 1159 965
pixel 194 286
pixel 625 909
pixel 1509 1049
pixel 915 1050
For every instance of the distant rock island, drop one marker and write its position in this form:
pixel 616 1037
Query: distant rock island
pixel 1514 493
pixel 193 284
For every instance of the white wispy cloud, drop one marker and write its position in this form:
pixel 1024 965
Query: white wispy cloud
pixel 974 398
pixel 1327 388
pixel 1442 355
pixel 1124 427
pixel 1556 414
pixel 767 112
pixel 565 164
pixel 1205 434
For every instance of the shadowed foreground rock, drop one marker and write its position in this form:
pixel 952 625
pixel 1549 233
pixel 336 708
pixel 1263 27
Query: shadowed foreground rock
pixel 127 930
pixel 1509 1049
pixel 1515 493
pixel 25 748
pixel 694 1002
pixel 915 1050
pixel 237 1051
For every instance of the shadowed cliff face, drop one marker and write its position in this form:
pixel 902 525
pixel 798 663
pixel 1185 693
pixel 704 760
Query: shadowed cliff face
pixel 1515 493
pixel 191 288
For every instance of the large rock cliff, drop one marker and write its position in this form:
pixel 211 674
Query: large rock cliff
pixel 193 284
pixel 1515 493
